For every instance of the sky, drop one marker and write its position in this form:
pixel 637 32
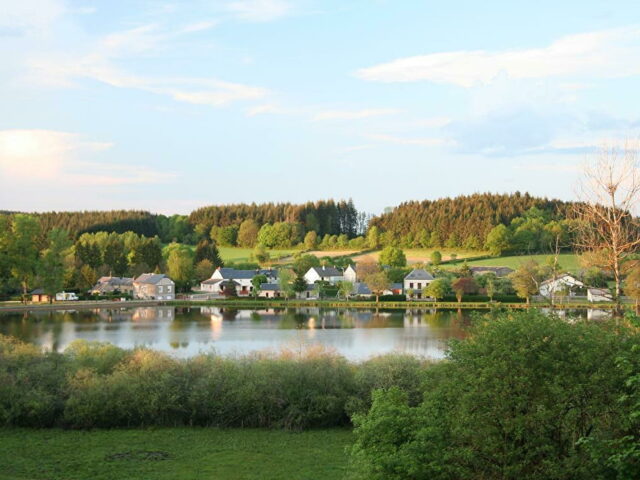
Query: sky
pixel 168 106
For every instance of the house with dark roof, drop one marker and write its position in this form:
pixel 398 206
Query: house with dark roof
pixel 360 289
pixel 415 282
pixel 39 296
pixel 109 285
pixel 273 290
pixel 241 278
pixel 498 271
pixel 325 274
pixel 154 286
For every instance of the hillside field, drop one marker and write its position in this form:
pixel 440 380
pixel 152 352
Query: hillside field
pixel 423 255
pixel 568 261
pixel 238 254
pixel 173 453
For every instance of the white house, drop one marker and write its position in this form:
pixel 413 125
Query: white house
pixel 565 281
pixel 361 289
pixel 350 274
pixel 599 295
pixel 154 286
pixel 416 281
pixel 241 278
pixel 326 274
pixel 272 290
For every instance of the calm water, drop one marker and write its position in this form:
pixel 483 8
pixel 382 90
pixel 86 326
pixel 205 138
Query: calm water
pixel 356 334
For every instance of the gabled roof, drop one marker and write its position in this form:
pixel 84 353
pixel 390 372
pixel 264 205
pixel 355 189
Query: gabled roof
pixel 419 274
pixel 38 291
pixel 211 281
pixel 151 278
pixel 324 272
pixel 114 281
pixel 564 278
pixel 233 274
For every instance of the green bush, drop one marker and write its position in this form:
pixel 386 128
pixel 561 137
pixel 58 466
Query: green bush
pixel 518 399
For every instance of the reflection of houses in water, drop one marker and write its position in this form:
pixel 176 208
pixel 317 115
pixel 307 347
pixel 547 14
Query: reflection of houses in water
pixel 598 314
pixel 145 314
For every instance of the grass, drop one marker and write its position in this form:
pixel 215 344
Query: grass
pixel 173 453
pixel 568 261
pixel 423 255
pixel 239 254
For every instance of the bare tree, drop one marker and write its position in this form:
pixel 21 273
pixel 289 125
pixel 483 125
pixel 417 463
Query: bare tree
pixel 609 193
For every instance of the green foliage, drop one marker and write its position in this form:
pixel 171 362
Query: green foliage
pixel 56 261
pixel 311 240
pixel 207 250
pixel 499 240
pixel 392 256
pixel 248 233
pixel 257 282
pixel 526 279
pixel 436 258
pixel 512 402
pixel 23 250
pixel 302 263
pixel 438 288
pixel 180 266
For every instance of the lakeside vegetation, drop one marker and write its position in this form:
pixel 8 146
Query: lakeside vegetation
pixel 524 395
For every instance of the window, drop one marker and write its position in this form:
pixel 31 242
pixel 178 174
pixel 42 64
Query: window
pixel 411 285
pixel 169 288
pixel 419 285
pixel 160 289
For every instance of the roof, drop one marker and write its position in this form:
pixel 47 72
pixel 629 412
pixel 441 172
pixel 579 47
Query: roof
pixel 599 291
pixel 419 274
pixel 115 281
pixel 361 289
pixel 232 273
pixel 564 276
pixel 499 271
pixel 272 287
pixel 38 291
pixel 211 281
pixel 327 272
pixel 395 286
pixel 151 278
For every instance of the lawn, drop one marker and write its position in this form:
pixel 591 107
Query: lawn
pixel 173 453
pixel 238 254
pixel 568 261
pixel 423 255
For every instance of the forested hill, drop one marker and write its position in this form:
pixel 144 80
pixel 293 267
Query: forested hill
pixel 118 221
pixel 324 217
pixel 464 220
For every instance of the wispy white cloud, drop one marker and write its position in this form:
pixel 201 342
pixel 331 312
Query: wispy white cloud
pixel 260 10
pixel 424 142
pixel 354 114
pixel 601 54
pixel 60 157
pixel 101 64
pixel 269 108
pixel 26 15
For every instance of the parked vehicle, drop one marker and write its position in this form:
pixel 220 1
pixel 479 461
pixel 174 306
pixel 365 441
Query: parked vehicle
pixel 66 296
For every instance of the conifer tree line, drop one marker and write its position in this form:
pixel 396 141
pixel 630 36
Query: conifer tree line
pixel 466 221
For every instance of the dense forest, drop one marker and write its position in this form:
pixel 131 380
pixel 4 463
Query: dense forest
pixel 323 217
pixel 462 221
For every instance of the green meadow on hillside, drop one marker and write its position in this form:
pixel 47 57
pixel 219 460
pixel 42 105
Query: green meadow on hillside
pixel 171 453
pixel 568 261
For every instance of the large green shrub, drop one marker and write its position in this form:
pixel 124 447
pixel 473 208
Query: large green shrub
pixel 516 400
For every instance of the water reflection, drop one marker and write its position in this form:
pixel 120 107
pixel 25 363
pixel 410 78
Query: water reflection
pixel 355 333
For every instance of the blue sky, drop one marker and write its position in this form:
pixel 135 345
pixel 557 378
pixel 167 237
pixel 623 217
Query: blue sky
pixel 168 106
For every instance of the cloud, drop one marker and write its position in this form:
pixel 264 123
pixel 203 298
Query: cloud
pixel 29 15
pixel 424 142
pixel 260 10
pixel 354 114
pixel 100 64
pixel 602 54
pixel 268 109
pixel 54 156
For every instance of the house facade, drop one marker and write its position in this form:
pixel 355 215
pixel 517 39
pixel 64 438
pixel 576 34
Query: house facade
pixel 154 286
pixel 599 295
pixel 417 280
pixel 241 278
pixel 326 274
pixel 350 274
pixel 566 281
pixel 273 290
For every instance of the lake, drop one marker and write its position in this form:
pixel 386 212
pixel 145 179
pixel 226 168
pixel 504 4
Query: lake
pixel 357 334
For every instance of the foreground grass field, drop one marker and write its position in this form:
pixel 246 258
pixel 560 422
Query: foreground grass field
pixel 172 453
pixel 568 261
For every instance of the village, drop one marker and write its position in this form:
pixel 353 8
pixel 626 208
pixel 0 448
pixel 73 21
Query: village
pixel 271 283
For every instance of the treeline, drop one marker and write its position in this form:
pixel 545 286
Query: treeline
pixel 463 221
pixel 32 258
pixel 167 228
pixel 325 217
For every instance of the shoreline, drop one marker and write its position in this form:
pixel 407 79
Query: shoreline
pixel 250 304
